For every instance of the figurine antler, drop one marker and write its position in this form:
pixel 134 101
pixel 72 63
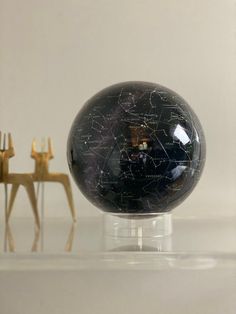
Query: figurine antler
pixel 33 148
pixel 50 151
pixel 2 141
pixel 6 148
pixel 10 151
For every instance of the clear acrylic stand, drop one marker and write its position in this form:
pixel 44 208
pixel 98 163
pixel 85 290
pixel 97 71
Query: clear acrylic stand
pixel 142 227
pixel 137 234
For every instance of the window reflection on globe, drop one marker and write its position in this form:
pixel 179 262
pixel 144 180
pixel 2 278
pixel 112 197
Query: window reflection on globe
pixel 136 148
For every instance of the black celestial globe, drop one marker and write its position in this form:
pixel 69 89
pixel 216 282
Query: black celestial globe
pixel 136 148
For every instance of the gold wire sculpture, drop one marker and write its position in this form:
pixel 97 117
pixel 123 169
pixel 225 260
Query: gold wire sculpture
pixel 15 179
pixel 42 174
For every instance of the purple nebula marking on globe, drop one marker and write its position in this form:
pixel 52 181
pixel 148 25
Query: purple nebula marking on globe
pixel 136 148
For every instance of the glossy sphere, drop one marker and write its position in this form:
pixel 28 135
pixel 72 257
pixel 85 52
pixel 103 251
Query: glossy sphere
pixel 136 148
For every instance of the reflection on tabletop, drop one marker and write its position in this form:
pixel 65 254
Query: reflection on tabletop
pixel 37 238
pixel 60 235
pixel 88 235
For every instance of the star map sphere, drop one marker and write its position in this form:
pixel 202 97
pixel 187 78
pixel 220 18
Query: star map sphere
pixel 136 148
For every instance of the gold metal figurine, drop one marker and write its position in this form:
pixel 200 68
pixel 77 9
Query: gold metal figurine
pixel 16 179
pixel 41 174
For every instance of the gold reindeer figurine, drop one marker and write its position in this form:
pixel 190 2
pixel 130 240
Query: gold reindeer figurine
pixel 16 179
pixel 41 174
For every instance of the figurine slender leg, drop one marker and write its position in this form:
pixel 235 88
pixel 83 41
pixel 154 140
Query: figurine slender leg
pixel 27 181
pixel 66 183
pixel 31 193
pixel 70 239
pixel 10 238
pixel 6 201
pixel 36 240
pixel 64 180
pixel 14 190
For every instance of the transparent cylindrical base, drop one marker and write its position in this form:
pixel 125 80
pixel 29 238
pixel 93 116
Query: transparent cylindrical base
pixel 147 227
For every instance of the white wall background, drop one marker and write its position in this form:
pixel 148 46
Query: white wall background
pixel 55 54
